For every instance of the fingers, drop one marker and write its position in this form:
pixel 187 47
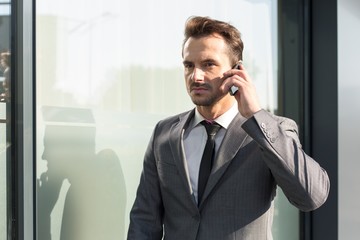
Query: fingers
pixel 234 80
pixel 246 96
pixel 241 72
pixel 237 76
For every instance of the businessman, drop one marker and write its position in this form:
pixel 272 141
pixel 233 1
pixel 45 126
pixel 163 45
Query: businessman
pixel 211 173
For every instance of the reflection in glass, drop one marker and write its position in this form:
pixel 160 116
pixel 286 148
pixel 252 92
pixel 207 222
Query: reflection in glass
pixel 95 196
pixel 5 60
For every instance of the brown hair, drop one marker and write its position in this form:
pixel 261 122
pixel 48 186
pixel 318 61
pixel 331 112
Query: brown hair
pixel 198 27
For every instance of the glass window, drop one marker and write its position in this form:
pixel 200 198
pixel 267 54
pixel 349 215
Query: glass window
pixel 5 75
pixel 107 71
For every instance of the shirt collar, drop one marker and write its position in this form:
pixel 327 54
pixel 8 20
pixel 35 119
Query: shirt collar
pixel 224 120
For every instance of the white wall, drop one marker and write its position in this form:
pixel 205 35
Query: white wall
pixel 349 117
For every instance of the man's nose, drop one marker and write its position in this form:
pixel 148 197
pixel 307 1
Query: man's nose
pixel 197 75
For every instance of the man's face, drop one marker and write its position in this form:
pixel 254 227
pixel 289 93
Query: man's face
pixel 205 60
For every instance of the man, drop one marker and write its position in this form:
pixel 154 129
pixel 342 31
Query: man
pixel 254 152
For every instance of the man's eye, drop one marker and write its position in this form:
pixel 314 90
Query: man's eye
pixel 188 65
pixel 209 64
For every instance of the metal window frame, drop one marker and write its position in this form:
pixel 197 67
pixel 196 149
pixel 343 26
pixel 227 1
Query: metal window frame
pixel 23 119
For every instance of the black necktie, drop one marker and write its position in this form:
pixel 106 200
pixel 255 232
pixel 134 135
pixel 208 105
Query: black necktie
pixel 208 156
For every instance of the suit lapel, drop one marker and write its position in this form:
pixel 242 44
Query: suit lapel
pixel 176 144
pixel 233 140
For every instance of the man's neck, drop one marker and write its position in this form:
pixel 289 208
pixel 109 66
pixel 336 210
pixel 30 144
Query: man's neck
pixel 213 112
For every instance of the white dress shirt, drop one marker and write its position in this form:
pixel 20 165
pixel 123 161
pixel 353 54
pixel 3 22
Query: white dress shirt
pixel 195 138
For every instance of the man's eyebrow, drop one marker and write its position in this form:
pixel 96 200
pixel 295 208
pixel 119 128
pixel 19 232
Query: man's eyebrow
pixel 208 60
pixel 186 62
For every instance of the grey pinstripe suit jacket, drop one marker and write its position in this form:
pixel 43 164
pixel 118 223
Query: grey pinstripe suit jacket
pixel 255 156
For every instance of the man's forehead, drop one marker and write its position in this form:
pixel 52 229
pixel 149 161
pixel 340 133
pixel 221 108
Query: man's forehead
pixel 205 49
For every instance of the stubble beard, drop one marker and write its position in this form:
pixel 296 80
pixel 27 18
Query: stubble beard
pixel 206 101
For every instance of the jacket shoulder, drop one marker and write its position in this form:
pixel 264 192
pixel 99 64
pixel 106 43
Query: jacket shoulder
pixel 184 116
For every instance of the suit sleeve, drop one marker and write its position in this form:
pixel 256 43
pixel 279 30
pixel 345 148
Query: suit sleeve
pixel 146 216
pixel 303 181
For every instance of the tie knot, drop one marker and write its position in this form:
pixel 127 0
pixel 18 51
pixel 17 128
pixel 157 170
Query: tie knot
pixel 211 127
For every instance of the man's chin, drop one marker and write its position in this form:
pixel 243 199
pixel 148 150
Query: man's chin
pixel 202 102
pixel 205 101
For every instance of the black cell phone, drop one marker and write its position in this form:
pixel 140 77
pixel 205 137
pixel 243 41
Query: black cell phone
pixel 233 90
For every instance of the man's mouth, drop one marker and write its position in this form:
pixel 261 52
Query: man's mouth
pixel 198 89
